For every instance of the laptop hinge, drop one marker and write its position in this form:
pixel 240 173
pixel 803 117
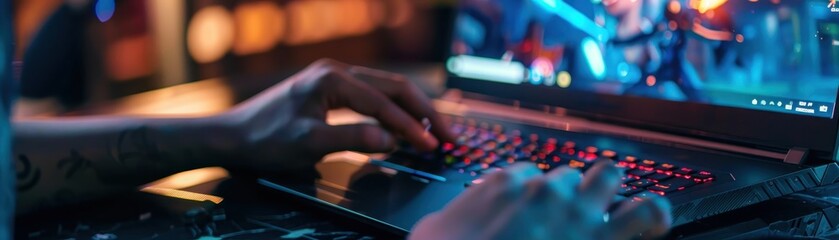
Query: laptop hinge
pixel 796 155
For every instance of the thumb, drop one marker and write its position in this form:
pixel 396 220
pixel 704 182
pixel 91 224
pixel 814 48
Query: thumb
pixel 366 138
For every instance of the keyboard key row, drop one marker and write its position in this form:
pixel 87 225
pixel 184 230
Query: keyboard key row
pixel 482 148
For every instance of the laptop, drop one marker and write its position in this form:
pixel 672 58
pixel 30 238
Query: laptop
pixel 715 105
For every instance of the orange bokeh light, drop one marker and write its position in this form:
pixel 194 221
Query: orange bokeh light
pixel 356 17
pixel 259 27
pixel 675 7
pixel 310 21
pixel 210 34
pixel 318 20
pixel 706 5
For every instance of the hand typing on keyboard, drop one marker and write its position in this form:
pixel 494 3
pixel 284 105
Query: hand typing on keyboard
pixel 523 203
pixel 284 127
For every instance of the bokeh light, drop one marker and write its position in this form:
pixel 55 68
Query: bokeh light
pixel 594 57
pixel 259 27
pixel 104 9
pixel 319 20
pixel 356 17
pixel 674 6
pixel 542 72
pixel 563 79
pixel 310 21
pixel 210 34
pixel 705 5
pixel 651 80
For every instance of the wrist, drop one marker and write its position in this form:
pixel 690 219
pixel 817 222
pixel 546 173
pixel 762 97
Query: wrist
pixel 203 141
pixel 219 138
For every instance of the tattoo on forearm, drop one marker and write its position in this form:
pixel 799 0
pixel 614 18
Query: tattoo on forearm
pixel 138 150
pixel 135 147
pixel 131 157
pixel 28 176
pixel 76 161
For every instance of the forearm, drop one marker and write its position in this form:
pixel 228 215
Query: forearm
pixel 77 159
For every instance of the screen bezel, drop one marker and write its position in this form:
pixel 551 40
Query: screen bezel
pixel 753 128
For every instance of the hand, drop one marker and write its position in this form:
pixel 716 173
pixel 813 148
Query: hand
pixel 284 127
pixel 523 203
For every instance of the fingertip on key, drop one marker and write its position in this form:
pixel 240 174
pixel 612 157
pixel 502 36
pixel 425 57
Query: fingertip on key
pixel 429 141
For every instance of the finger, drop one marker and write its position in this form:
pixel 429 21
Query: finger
pixel 563 182
pixel 350 92
pixel 403 92
pixel 600 184
pixel 510 189
pixel 646 218
pixel 514 177
pixel 367 138
pixel 498 190
pixel 407 95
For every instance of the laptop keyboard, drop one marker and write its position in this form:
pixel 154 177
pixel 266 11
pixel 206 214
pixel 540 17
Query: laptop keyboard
pixel 483 147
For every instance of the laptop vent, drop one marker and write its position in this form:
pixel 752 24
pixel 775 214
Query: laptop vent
pixel 728 201
pixel 681 210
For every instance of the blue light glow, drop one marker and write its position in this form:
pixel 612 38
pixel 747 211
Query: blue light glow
pixel 574 17
pixel 549 3
pixel 104 9
pixel 471 30
pixel 594 57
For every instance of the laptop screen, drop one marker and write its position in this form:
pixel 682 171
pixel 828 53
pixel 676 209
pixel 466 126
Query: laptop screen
pixel 768 55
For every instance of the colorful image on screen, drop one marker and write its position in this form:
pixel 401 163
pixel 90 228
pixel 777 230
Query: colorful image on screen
pixel 771 55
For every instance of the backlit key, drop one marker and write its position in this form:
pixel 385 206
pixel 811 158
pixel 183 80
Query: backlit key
pixel 677 184
pixel 640 183
pixel 638 173
pixel 609 154
pixel 629 190
pixel 497 129
pixel 534 138
pixel 664 188
pixel 703 177
pixel 682 172
pixel 576 164
pixel 628 162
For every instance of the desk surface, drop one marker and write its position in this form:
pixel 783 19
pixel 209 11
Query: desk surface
pixel 247 212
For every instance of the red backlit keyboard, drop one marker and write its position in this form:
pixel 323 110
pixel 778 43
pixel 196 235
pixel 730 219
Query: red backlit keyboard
pixel 482 147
